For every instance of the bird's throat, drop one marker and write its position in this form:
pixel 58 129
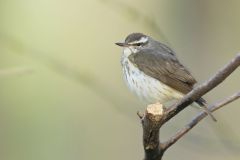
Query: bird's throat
pixel 127 51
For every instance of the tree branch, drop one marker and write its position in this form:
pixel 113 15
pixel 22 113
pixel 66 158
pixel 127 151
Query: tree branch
pixel 156 115
pixel 199 91
pixel 151 123
pixel 198 118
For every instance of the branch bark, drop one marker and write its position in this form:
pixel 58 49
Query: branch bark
pixel 199 91
pixel 198 118
pixel 156 115
pixel 151 123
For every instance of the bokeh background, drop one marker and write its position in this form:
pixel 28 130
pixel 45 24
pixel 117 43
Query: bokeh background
pixel 62 95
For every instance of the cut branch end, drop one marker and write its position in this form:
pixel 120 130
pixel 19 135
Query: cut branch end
pixel 155 112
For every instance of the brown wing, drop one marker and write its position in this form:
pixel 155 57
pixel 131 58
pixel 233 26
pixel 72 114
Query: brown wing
pixel 164 67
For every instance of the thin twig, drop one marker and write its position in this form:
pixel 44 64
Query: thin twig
pixel 198 118
pixel 225 102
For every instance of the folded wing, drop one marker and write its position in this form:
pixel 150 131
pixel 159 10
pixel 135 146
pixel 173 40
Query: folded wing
pixel 165 68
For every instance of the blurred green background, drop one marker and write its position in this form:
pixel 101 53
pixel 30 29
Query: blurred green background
pixel 62 95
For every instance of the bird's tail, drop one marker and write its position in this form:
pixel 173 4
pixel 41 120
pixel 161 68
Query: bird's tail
pixel 204 105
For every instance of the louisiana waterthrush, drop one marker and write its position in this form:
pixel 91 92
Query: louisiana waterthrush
pixel 153 72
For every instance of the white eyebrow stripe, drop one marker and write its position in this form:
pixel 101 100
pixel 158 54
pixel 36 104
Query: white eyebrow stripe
pixel 142 40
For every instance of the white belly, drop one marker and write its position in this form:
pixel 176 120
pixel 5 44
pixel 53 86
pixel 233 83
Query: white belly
pixel 149 89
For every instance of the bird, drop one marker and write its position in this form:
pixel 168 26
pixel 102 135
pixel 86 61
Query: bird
pixel 153 72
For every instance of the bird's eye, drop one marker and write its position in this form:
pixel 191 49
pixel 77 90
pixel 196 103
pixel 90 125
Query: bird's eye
pixel 138 44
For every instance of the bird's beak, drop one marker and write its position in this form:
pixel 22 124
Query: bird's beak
pixel 121 44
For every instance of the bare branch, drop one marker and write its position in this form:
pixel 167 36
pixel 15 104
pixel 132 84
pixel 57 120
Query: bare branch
pixel 199 91
pixel 198 118
pixel 225 101
pixel 140 115
pixel 151 123
pixel 153 120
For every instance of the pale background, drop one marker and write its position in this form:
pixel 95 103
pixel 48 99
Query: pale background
pixel 62 95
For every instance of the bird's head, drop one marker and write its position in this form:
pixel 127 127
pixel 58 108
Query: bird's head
pixel 135 42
